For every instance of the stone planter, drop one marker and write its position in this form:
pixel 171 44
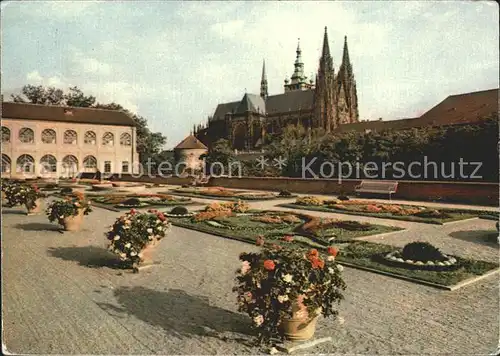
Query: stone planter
pixel 73 223
pixel 34 210
pixel 148 253
pixel 300 326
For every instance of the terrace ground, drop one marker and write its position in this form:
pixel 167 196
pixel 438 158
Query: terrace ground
pixel 62 294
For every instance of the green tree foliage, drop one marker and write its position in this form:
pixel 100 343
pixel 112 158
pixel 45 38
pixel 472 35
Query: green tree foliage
pixel 149 144
pixel 222 153
pixel 445 145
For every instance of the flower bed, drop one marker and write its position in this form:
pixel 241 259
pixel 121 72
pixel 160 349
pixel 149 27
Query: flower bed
pixel 388 211
pixel 373 256
pixel 227 194
pixel 234 220
pixel 128 201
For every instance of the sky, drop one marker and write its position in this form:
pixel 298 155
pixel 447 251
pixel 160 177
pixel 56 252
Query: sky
pixel 172 62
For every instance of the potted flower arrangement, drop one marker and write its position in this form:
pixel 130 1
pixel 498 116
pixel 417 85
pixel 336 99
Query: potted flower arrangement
pixel 134 236
pixel 24 194
pixel 285 289
pixel 70 211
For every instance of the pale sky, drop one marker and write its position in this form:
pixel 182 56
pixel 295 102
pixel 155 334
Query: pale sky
pixel 173 62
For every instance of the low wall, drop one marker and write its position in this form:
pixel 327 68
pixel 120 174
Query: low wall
pixel 454 192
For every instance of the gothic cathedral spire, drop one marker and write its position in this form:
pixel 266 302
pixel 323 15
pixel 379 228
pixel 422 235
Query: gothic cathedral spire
pixel 263 82
pixel 324 96
pixel 348 87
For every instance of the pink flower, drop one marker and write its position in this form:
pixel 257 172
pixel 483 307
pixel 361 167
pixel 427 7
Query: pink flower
pixel 245 267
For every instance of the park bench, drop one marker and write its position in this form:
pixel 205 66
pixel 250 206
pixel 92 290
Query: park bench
pixel 379 187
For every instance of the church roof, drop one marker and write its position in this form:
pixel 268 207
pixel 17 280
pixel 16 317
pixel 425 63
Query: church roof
pixel 281 103
pixel 190 142
pixel 25 111
pixel 252 103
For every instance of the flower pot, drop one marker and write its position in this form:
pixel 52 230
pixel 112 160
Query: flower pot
pixel 73 223
pixel 37 209
pixel 147 252
pixel 300 326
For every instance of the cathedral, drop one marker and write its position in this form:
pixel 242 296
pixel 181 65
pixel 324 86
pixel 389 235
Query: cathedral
pixel 329 101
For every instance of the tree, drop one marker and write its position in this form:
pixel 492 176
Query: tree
pixel 39 95
pixel 77 98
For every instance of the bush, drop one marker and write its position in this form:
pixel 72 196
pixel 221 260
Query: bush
pixel 428 213
pixel 66 190
pixel 132 202
pixel 51 186
pixel 352 225
pixel 421 251
pixel 343 197
pixel 309 200
pixel 284 193
pixel 179 210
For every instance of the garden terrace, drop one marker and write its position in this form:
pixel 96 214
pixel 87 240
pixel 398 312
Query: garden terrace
pixel 220 193
pixel 146 200
pixel 273 225
pixel 388 211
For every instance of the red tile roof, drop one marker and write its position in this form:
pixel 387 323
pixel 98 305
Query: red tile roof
pixel 190 142
pixel 25 111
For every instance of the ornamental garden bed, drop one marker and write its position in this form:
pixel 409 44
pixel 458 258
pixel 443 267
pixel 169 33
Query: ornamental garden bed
pixel 128 201
pixel 220 193
pixel 305 229
pixel 375 257
pixel 387 211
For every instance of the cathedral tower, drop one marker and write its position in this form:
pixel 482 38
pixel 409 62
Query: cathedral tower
pixel 263 82
pixel 324 111
pixel 346 90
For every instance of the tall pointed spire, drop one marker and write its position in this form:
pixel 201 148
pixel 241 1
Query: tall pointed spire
pixel 326 61
pixel 346 62
pixel 263 81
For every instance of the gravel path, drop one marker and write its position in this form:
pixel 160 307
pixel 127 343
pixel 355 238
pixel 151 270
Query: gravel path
pixel 63 295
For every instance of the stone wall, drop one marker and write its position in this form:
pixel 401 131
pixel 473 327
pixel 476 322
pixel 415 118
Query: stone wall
pixel 453 192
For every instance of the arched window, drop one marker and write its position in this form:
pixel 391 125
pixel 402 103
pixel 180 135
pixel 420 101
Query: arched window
pixel 90 138
pixel 26 135
pixel 90 164
pixel 25 164
pixel 70 137
pixel 108 139
pixel 70 164
pixel 6 163
pixel 49 164
pixel 5 134
pixel 48 136
pixel 125 139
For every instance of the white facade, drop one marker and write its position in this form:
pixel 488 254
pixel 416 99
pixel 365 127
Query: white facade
pixel 47 148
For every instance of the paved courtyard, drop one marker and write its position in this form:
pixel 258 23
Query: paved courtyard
pixel 62 294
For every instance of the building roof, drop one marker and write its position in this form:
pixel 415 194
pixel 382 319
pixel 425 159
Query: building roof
pixel 462 108
pixel 189 143
pixel 290 101
pixel 68 114
pixel 252 103
pixel 455 109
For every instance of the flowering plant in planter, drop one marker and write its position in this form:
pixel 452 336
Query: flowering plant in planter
pixel 58 210
pixel 19 194
pixel 133 232
pixel 273 284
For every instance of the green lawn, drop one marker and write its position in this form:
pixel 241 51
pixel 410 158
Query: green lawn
pixel 367 254
pixel 195 193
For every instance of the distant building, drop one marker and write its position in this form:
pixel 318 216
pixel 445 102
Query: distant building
pixel 54 141
pixel 457 109
pixel 188 153
pixel 326 102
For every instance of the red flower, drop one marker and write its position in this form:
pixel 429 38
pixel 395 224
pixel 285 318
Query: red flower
pixel 276 247
pixel 313 253
pixel 161 216
pixel 317 263
pixel 260 240
pixel 287 238
pixel 133 211
pixel 269 265
pixel 332 251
